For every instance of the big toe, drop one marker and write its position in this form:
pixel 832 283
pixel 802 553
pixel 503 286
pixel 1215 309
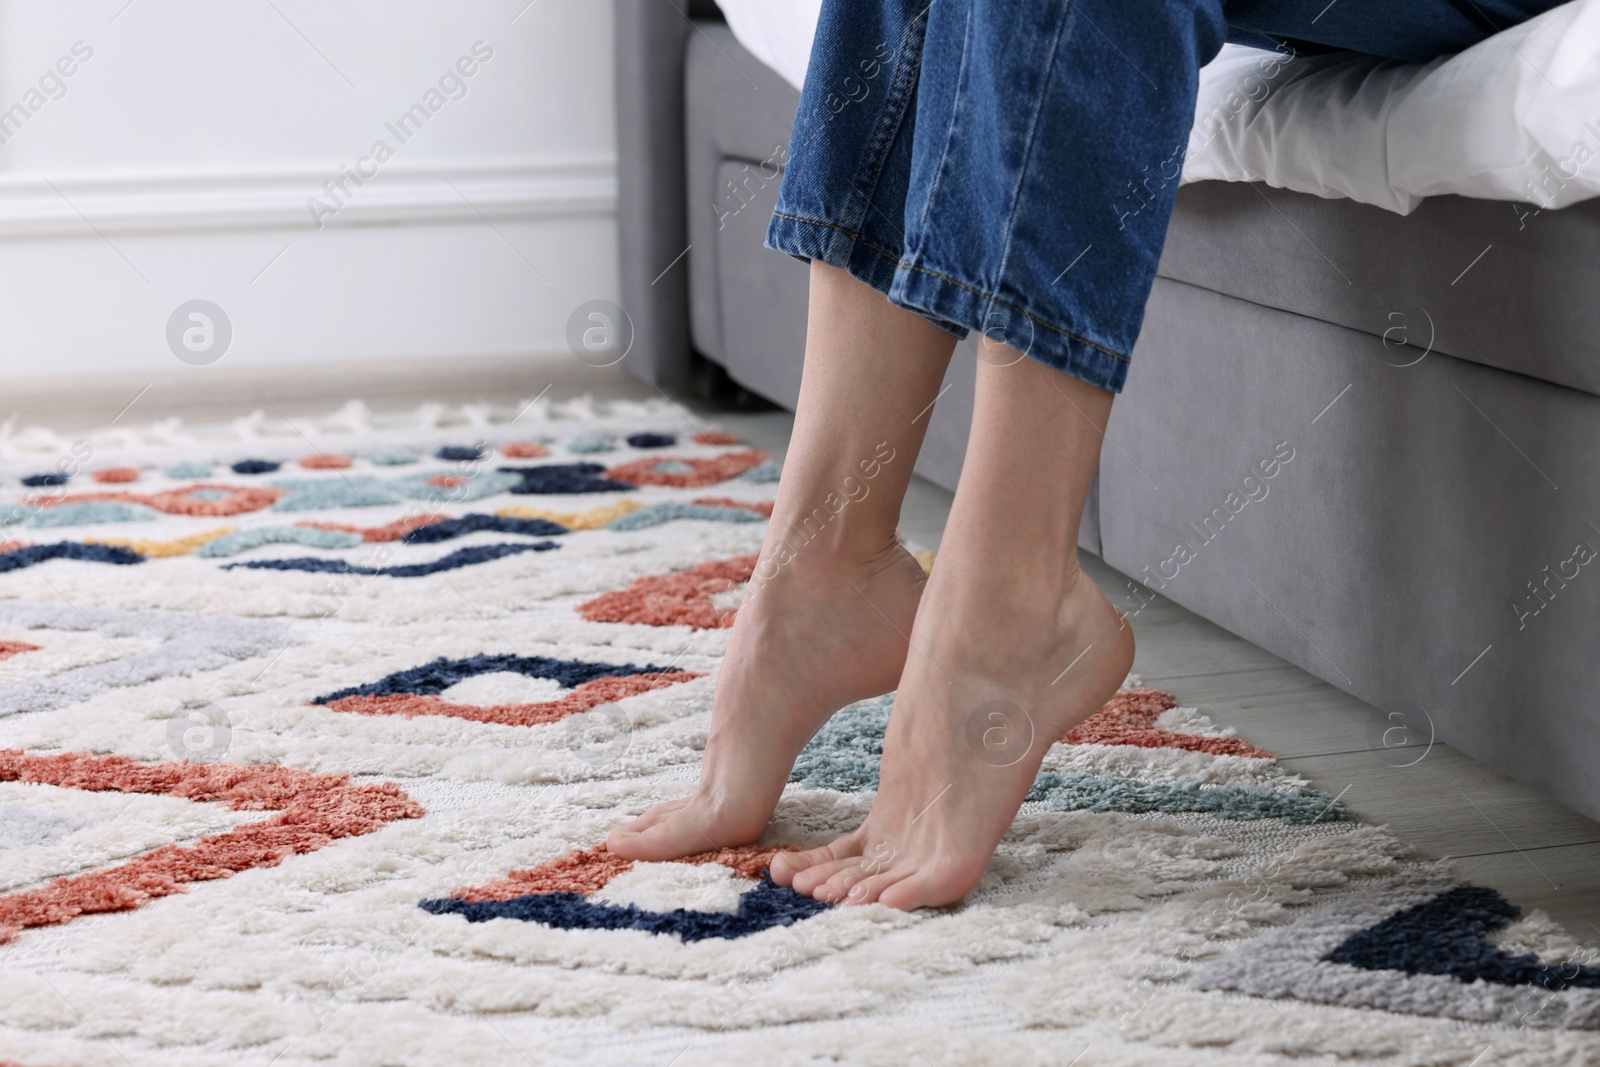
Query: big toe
pixel 929 887
pixel 656 815
pixel 785 865
pixel 668 839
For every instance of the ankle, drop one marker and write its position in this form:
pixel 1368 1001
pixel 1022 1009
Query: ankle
pixel 1016 580
pixel 1021 617
pixel 809 552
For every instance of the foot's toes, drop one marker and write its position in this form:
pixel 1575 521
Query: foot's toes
pixel 654 816
pixel 786 866
pixel 858 882
pixel 870 888
pixel 813 878
pixel 827 881
pixel 675 835
pixel 926 889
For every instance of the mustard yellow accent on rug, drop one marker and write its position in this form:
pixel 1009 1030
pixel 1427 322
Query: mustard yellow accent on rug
pixel 182 546
pixel 593 519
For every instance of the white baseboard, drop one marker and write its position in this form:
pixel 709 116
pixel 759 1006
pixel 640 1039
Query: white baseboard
pixel 100 303
pixel 72 204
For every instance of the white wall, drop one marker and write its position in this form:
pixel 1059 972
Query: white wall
pixel 177 161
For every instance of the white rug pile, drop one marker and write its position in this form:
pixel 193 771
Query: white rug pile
pixel 309 734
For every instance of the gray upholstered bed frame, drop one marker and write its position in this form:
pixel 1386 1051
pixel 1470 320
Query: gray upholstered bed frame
pixel 1432 545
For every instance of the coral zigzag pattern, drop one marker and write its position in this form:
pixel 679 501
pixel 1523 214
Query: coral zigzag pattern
pixel 201 499
pixel 682 599
pixel 684 473
pixel 1129 719
pixel 313 811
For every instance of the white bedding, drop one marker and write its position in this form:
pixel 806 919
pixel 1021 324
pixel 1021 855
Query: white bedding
pixel 1516 117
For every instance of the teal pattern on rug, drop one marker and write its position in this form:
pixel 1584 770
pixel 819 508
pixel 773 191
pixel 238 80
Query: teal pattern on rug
pixel 586 443
pixel 364 490
pixel 349 491
pixel 846 751
pixel 845 754
pixel 244 540
pixel 656 514
pixel 1085 792
pixel 764 472
pixel 75 514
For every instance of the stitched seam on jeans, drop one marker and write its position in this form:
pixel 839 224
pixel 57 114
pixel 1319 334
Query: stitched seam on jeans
pixel 1008 231
pixel 955 110
pixel 1019 310
pixel 890 120
pixel 856 237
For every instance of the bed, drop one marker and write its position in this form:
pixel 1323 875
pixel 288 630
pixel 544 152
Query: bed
pixel 1431 357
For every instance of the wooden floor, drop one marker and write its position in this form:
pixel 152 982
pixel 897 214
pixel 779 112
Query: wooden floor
pixel 1499 832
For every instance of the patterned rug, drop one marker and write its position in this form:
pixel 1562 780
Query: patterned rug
pixel 309 734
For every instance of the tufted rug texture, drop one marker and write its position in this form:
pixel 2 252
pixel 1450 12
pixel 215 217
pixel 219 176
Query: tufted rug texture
pixel 310 733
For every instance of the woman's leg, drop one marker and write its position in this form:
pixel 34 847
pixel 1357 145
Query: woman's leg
pixel 1013 646
pixel 953 202
pixel 1007 166
pixel 825 620
pixel 1048 139
pixel 963 234
pixel 827 615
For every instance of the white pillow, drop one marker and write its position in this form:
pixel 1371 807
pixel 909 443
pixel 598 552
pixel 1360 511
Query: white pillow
pixel 1515 117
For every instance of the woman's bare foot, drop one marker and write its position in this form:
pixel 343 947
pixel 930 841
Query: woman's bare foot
pixel 829 627
pixel 996 676
pixel 826 630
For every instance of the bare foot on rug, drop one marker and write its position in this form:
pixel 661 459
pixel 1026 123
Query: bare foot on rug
pixel 823 632
pixel 981 701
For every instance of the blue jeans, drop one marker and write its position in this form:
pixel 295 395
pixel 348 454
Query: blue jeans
pixel 1009 166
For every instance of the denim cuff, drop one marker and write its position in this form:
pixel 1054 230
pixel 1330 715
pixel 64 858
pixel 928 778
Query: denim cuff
pixel 940 297
pixel 825 242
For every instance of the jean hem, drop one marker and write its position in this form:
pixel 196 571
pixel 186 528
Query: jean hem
pixel 938 296
pixel 825 242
